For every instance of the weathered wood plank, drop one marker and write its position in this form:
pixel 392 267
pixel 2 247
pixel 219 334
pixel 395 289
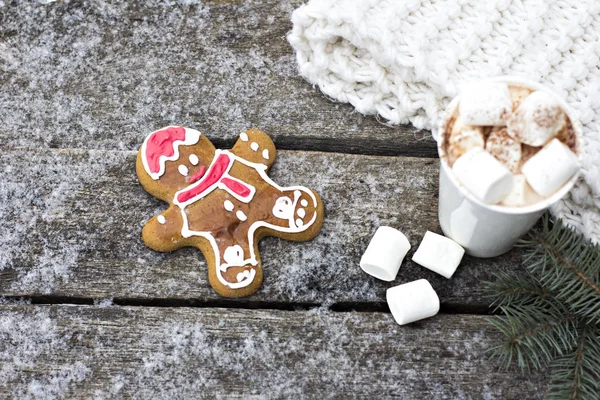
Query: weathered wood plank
pixel 146 353
pixel 72 221
pixel 102 74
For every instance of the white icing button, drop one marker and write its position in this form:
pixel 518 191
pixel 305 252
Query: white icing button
pixel 194 159
pixel 161 219
pixel 412 301
pixel 265 154
pixel 301 213
pixel 385 253
pixel 241 216
pixel 244 136
pixel 240 277
pixel 299 223
pixel 228 205
pixel 183 170
pixel 254 146
pixel 439 254
pixel 304 203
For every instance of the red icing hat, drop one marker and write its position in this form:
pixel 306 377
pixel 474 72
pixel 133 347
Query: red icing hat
pixel 163 145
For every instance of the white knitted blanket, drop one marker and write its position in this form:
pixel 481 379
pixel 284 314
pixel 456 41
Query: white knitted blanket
pixel 404 61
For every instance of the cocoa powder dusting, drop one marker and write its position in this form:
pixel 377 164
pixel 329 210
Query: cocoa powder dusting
pixel 543 118
pixel 547 117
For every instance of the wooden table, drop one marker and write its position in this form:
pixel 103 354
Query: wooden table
pixel 89 312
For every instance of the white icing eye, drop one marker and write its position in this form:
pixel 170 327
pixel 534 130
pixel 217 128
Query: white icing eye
pixel 283 208
pixel 194 159
pixel 265 154
pixel 244 136
pixel 183 170
pixel 161 219
pixel 254 146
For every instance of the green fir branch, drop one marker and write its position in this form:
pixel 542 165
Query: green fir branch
pixel 551 311
pixel 569 266
pixel 508 289
pixel 576 375
pixel 535 334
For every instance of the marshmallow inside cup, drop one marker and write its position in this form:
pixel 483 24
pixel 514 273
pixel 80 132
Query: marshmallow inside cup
pixel 537 119
pixel 385 253
pixel 521 193
pixel 439 254
pixel 412 301
pixel 550 168
pixel 483 175
pixel 485 103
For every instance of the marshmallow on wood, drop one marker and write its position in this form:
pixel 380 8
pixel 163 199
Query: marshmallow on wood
pixel 484 176
pixel 385 253
pixel 462 139
pixel 537 119
pixel 521 194
pixel 504 148
pixel 550 168
pixel 439 254
pixel 485 103
pixel 412 301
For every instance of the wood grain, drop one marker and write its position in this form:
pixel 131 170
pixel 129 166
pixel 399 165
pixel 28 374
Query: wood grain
pixel 103 74
pixel 147 353
pixel 73 218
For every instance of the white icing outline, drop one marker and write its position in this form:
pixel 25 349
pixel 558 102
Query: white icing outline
pixel 261 169
pixel 192 137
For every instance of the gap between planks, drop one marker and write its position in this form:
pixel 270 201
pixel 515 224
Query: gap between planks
pixel 359 146
pixel 445 308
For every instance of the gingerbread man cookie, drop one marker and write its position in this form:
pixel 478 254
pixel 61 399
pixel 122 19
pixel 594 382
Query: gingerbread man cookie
pixel 222 202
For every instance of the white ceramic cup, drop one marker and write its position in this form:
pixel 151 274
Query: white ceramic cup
pixel 490 230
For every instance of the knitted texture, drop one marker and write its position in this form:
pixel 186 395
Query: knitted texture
pixel 405 60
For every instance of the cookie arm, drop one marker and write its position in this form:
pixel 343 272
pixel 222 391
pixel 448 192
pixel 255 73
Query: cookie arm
pixel 255 146
pixel 163 232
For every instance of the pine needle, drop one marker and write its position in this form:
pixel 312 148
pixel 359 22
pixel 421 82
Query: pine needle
pixel 551 311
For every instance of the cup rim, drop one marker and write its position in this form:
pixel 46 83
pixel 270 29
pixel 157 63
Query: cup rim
pixel 544 204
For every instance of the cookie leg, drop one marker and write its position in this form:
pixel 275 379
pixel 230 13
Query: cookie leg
pixel 297 214
pixel 234 271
